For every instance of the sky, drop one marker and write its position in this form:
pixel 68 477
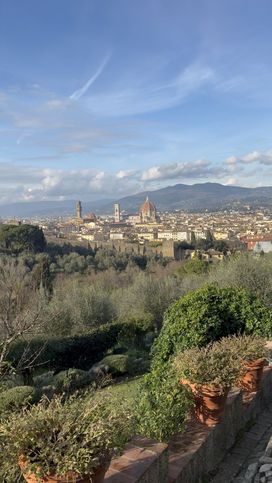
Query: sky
pixel 100 99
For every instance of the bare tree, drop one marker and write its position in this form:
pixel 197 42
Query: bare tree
pixel 21 307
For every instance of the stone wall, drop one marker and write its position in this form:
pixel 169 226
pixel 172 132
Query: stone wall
pixel 166 248
pixel 194 455
pixel 144 461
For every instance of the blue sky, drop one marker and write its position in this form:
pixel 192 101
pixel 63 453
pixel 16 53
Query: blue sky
pixel 104 98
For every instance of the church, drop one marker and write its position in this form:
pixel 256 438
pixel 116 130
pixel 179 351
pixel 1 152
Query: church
pixel 148 212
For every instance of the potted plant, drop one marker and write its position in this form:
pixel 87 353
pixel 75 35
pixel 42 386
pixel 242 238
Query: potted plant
pixel 251 351
pixel 209 372
pixel 70 441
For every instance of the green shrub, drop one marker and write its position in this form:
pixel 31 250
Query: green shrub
pixel 77 435
pixel 247 348
pixel 71 380
pixel 135 331
pixel 133 363
pixel 208 314
pixel 214 365
pixel 16 398
pixel 60 353
pixel 115 364
pixel 138 362
pixel 195 320
pixel 161 405
pixel 44 379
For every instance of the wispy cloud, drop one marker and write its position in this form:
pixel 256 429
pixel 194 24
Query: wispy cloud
pixel 23 136
pixel 80 92
pixel 148 97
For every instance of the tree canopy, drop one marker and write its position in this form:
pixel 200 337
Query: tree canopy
pixel 20 238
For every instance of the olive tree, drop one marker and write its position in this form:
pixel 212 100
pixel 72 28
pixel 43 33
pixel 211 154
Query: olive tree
pixel 21 307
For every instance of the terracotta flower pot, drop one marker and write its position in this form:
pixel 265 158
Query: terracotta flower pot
pixel 209 402
pixel 97 477
pixel 251 379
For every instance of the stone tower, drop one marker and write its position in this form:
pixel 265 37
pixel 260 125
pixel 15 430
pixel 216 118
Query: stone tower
pixel 78 210
pixel 117 216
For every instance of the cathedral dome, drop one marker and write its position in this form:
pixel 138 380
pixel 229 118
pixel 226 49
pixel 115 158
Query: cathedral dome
pixel 147 207
pixel 90 217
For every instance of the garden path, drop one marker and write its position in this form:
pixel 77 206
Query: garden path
pixel 246 451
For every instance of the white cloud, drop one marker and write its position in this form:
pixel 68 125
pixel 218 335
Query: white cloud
pixel 264 158
pixel 196 169
pixel 232 181
pixel 19 182
pixel 126 173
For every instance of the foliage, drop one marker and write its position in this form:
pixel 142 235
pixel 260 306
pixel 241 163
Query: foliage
pixel 76 308
pixel 161 405
pixel 135 331
pixel 21 306
pixel 115 364
pixel 19 238
pixel 61 353
pixel 77 435
pixel 132 363
pixel 147 298
pixel 247 347
pixel 208 314
pixel 71 380
pixel 44 379
pixel 214 365
pixel 195 265
pixel 248 272
pixel 16 398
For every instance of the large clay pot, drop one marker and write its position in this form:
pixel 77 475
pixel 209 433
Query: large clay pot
pixel 209 402
pixel 97 477
pixel 251 379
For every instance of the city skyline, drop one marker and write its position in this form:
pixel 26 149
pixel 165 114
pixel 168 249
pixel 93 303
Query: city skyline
pixel 102 102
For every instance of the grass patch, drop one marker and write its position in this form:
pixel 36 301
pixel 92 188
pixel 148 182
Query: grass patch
pixel 126 389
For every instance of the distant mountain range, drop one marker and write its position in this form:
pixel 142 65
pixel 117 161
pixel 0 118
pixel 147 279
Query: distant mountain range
pixel 197 197
pixel 33 209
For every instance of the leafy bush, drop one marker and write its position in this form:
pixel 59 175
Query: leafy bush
pixel 71 380
pixel 207 315
pixel 115 364
pixel 135 331
pixel 59 437
pixel 195 320
pixel 138 362
pixel 44 379
pixel 61 353
pixel 161 405
pixel 16 398
pixel 214 365
pixel 246 347
pixel 133 363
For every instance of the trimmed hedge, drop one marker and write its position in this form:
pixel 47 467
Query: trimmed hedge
pixel 60 353
pixel 71 380
pixel 16 398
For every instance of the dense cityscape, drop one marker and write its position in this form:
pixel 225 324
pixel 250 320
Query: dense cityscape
pixel 248 229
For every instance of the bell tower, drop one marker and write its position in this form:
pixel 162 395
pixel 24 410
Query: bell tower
pixel 78 210
pixel 117 216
